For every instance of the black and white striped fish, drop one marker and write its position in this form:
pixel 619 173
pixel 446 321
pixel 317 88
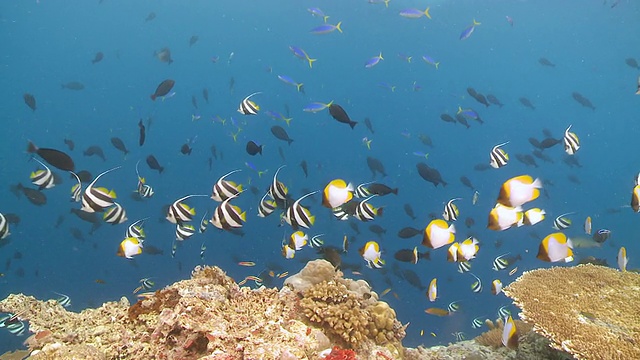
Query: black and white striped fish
pixel 278 191
pixel 344 211
pixel 76 190
pixel 223 189
pixel 135 230
pixel 145 284
pixel 248 107
pixel 4 227
pixel 204 222
pixel 13 324
pixel 362 191
pixel 184 231
pixel 63 300
pixel 498 157
pixel 562 222
pixel 365 211
pixel 115 214
pixel 571 141
pixel 299 216
pixel 267 206
pixel 464 266
pixel 97 199
pixel 316 242
pixel 179 213
pixel 451 211
pixel 43 179
pixel 227 216
pixel 499 263
pixel 476 287
pixel 143 189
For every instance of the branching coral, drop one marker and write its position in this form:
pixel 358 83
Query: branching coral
pixel 590 311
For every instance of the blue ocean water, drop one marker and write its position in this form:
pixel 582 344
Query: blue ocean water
pixel 50 43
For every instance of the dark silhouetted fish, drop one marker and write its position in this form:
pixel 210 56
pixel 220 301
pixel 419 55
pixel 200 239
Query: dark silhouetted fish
pixel 163 89
pixel 73 85
pixel 430 174
pixel 381 189
pixel 303 165
pixel 367 123
pixel 526 159
pixel 150 17
pixel 472 92
pixel 281 153
pixel 632 62
pixel 95 150
pixel 205 95
pixel 154 164
pixel 408 232
pixel 549 142
pixel 540 155
pixel 76 234
pixel 535 142
pixel 98 57
pixel 377 229
pixel 407 255
pixel 281 134
pixel 582 100
pixel 164 55
pixel 69 144
pixel 574 179
pixel 186 149
pixel 481 167
pixel 462 120
pixel 338 113
pixel 54 157
pixel 481 99
pixel 494 100
pixel 409 211
pixel 524 101
pixel 194 101
pixel 425 140
pixel 412 278
pixel 253 148
pixel 119 144
pixel 83 175
pixel 447 118
pixel 214 152
pixel 375 166
pixel 546 62
pixel 36 197
pixel 332 255
pixel 466 182
pixel 572 161
pixel 469 222
pixel 152 250
pixel 193 39
pixel 12 218
pixel 143 134
pixel 30 100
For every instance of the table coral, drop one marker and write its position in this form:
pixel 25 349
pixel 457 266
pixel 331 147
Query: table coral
pixel 590 311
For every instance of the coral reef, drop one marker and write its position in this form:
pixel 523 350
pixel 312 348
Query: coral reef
pixel 493 336
pixel 590 311
pixel 206 317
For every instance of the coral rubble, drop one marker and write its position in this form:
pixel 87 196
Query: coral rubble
pixel 592 312
pixel 210 317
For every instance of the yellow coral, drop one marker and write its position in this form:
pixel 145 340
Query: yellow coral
pixel 590 311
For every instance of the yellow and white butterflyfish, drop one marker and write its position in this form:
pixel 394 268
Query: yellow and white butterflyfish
pixel 504 217
pixel 510 334
pixel 533 216
pixel 432 292
pixel 555 247
pixel 129 247
pixel 336 193
pixel 622 259
pixel 496 287
pixel 288 252
pixel 298 240
pixel 468 249
pixel 372 255
pixel 519 190
pixel 438 234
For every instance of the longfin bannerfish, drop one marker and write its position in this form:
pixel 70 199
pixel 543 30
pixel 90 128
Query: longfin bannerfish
pixel 498 157
pixel 477 322
pixel 316 242
pixel 224 189
pixel 43 179
pixel 184 231
pixel 278 191
pixel 555 247
pixel 97 199
pixel 135 230
pixel 76 190
pixel 476 287
pixel 129 247
pixel 63 300
pixel 204 222
pixel 179 212
pixel 266 206
pixel 227 216
pixel 299 216
pixel 4 227
pixel 143 189
pixel 562 222
pixel 464 266
pixel 248 107
pixel 362 191
pixel 145 284
pixel 365 211
pixel 451 211
pixel 510 334
pixel 519 190
pixel 499 263
pixel 571 141
pixel 115 214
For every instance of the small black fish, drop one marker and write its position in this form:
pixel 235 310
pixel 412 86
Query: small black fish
pixel 214 152
pixel 540 155
pixel 142 133
pixel 153 164
pixel 185 149
pixel 367 123
pixel 119 144
pixel 494 100
pixel 381 189
pixel 481 99
pixel 481 167
pixel 152 250
pixel 526 159
pixel 582 100
pixel 338 113
pixel 163 88
pixel 84 176
pixel 150 17
pixel 253 148
pixel 281 134
pixel 408 232
pixel 425 140
pixel 303 165
pixel 430 174
pixel 407 255
pixel 466 182
pixel 73 85
pixel 95 150
pixel 447 118
pixel 194 101
pixel 549 142
pixel 98 57
pixel 632 62
pixel 36 197
pixel 54 157
pixel 472 92
pixel 193 39
pixel 377 229
pixel 205 95
pixel 30 100
pixel 546 62
pixel 469 222
pixel 375 166
pixel 69 144
pixel 462 120
pixel 409 211
pixel 527 103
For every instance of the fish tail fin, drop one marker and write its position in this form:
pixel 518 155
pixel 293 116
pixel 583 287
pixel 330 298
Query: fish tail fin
pixel 288 121
pixel 338 26
pixel 475 23
pixel 426 13
pixel 386 3
pixel 353 124
pixel 161 169
pixel 289 141
pixel 300 87
pixel 394 191
pixel 311 61
pixel 153 97
pixel 325 18
pixel 31 148
pixel 437 65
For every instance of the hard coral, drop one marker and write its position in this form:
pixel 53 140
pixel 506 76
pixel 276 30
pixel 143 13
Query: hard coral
pixel 590 311
pixel 341 354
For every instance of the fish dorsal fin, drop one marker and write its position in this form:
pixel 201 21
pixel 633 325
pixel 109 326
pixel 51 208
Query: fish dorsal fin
pixel 229 173
pixel 186 197
pixel 297 202
pixel 99 175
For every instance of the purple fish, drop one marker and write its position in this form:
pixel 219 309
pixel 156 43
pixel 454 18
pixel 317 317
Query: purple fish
pixel 327 28
pixel 373 61
pixel 469 30
pixel 414 13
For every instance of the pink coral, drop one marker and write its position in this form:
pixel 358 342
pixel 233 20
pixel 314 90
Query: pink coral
pixel 341 354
